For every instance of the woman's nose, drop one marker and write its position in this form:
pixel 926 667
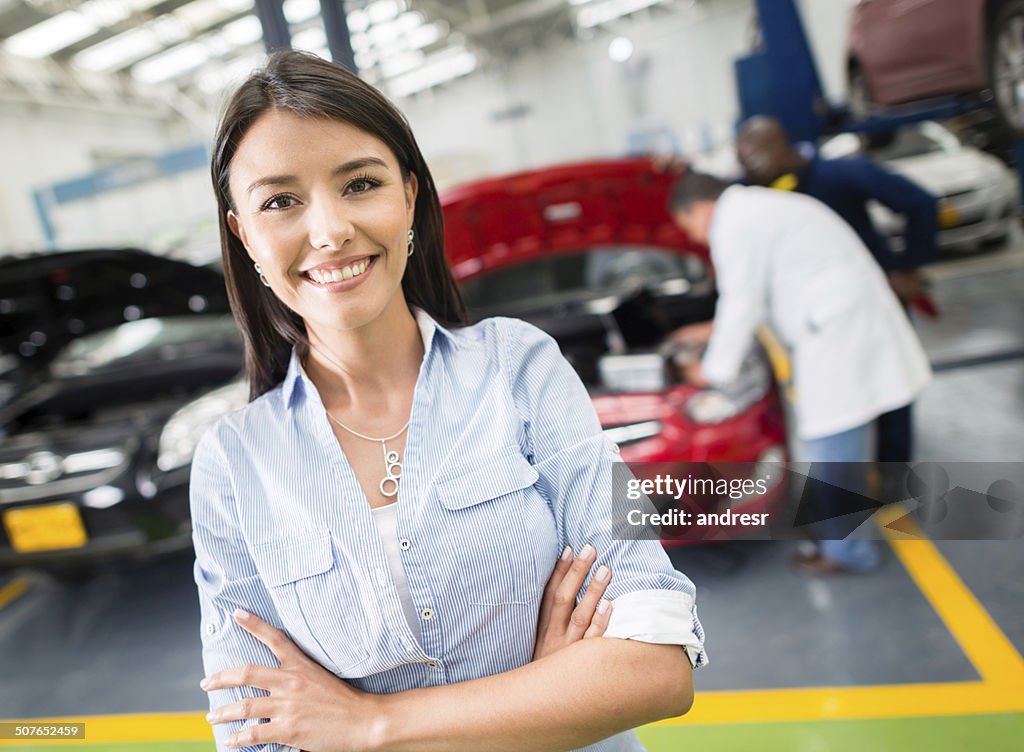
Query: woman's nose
pixel 329 226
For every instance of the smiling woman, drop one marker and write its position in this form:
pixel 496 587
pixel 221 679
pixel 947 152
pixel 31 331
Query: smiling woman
pixel 385 534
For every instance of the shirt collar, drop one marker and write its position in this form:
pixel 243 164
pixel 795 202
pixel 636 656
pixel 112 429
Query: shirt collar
pixel 296 377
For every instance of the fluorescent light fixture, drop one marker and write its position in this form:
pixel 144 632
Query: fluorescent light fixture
pixel 217 77
pixel 201 14
pixel 360 42
pixel 396 65
pixel 358 21
pixel 383 10
pixel 245 31
pixel 426 35
pixel 439 68
pixel 409 21
pixel 597 13
pixel 172 63
pixel 297 11
pixel 310 40
pixel 118 51
pixel 383 33
pixel 51 35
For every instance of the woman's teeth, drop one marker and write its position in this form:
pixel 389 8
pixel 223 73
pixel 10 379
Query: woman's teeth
pixel 325 276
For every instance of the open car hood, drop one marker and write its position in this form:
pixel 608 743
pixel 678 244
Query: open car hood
pixel 501 221
pixel 48 300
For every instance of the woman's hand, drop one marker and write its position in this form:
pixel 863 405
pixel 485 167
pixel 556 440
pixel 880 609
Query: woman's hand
pixel 561 622
pixel 308 708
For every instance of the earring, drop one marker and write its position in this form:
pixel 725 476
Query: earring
pixel 263 278
pixel 412 246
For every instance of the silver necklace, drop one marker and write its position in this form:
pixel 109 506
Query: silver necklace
pixel 392 460
pixel 392 466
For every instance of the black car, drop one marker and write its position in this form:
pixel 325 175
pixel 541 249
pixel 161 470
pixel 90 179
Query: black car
pixel 124 360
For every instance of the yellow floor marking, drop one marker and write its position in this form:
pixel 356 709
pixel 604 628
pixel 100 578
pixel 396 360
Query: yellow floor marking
pixel 12 591
pixel 993 655
pixel 851 703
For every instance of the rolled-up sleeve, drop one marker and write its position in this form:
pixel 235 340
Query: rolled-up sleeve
pixel 573 458
pixel 227 579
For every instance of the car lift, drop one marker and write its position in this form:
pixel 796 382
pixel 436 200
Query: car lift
pixel 781 79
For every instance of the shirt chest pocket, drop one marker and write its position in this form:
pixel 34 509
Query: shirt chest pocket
pixel 317 600
pixel 487 508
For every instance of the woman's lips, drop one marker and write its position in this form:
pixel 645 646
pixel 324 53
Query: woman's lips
pixel 330 284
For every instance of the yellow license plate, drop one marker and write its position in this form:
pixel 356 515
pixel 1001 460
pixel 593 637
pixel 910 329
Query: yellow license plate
pixel 45 528
pixel 948 215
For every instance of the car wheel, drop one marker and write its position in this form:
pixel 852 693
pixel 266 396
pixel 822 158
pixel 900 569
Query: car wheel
pixel 862 106
pixel 1006 64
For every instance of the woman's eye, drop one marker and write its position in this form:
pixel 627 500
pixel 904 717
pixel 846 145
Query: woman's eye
pixel 362 185
pixel 281 201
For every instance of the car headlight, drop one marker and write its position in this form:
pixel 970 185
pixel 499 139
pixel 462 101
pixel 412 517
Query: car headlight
pixel 183 431
pixel 718 404
pixel 633 432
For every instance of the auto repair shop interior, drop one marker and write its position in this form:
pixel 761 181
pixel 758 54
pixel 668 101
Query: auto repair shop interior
pixel 560 135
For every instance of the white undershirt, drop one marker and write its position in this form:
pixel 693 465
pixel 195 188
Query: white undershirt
pixel 386 518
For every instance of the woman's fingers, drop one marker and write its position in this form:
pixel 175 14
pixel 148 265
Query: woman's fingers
pixel 258 733
pixel 260 677
pixel 278 642
pixel 557 575
pixel 600 621
pixel 583 614
pixel 250 707
pixel 565 594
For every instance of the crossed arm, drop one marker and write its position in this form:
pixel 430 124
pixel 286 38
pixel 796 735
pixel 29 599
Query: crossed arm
pixel 613 685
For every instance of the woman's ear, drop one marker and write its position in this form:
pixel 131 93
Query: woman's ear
pixel 237 229
pixel 412 187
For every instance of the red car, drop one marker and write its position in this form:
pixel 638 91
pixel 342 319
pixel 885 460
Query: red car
pixel 588 253
pixel 907 50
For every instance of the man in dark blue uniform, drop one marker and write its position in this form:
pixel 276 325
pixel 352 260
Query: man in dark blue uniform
pixel 846 186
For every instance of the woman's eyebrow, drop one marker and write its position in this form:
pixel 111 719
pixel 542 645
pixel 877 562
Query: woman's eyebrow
pixel 350 166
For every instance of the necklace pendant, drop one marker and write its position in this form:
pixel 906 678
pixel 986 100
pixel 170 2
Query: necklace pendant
pixel 393 470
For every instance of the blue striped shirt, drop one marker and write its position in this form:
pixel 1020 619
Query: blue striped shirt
pixel 504 465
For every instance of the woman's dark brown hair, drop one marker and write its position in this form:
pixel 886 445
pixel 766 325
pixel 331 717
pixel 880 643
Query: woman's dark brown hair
pixel 308 86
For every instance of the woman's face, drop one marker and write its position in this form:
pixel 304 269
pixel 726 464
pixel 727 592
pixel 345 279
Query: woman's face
pixel 322 207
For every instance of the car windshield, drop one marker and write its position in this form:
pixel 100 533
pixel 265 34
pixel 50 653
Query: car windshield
pixel 117 343
pixel 911 142
pixel 583 275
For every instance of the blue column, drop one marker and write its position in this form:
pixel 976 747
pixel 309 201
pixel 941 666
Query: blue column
pixel 336 28
pixel 276 33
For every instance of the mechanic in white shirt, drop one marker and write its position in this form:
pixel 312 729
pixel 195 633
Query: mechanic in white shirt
pixel 788 261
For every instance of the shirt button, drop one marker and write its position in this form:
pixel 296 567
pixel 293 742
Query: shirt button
pixel 432 664
pixel 427 614
pixel 404 544
pixel 211 628
pixel 615 448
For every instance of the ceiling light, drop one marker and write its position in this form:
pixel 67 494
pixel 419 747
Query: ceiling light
pixel 441 67
pixel 171 63
pixel 310 40
pixel 357 20
pixel 383 10
pixel 597 13
pixel 620 49
pixel 118 51
pixel 297 11
pixel 51 35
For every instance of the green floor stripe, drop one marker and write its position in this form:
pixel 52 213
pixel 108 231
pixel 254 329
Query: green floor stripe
pixel 991 733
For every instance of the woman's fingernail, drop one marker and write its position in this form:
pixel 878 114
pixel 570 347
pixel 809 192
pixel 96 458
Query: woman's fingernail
pixel 567 553
pixel 587 552
pixel 602 573
pixel 241 615
pixel 204 684
pixel 212 716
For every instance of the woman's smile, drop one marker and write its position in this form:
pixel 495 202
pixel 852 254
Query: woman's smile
pixel 340 276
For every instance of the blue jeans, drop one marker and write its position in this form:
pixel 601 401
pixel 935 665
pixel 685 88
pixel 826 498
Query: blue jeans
pixel 834 453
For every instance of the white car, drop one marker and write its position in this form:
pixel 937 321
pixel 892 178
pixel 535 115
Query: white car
pixel 977 193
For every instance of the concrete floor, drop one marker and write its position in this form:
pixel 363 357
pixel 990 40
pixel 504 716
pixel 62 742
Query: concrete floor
pixel 126 641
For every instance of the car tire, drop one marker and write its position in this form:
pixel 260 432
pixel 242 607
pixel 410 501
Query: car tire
pixel 861 104
pixel 1006 74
